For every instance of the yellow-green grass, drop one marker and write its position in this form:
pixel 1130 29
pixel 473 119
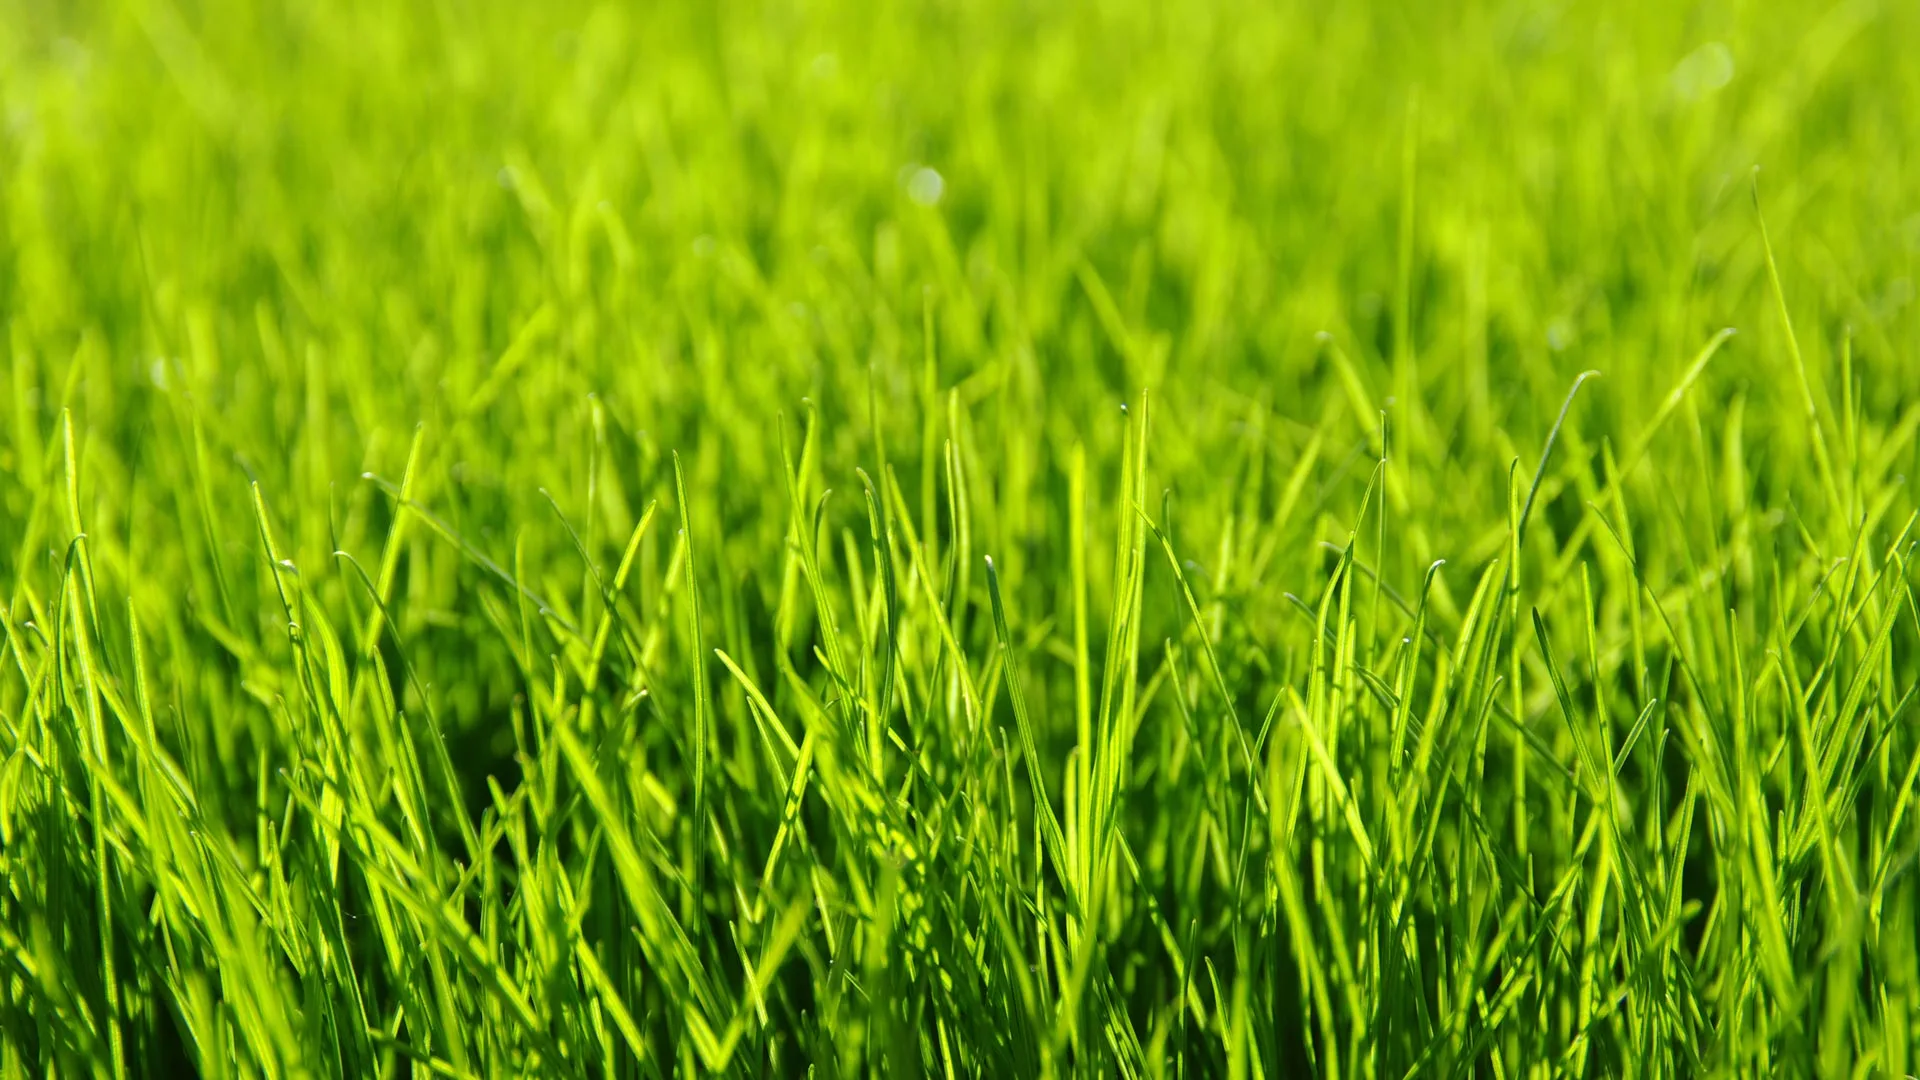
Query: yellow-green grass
pixel 973 539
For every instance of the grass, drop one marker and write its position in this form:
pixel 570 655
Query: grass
pixel 562 541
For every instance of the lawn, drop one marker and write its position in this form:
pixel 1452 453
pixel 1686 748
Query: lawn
pixel 959 538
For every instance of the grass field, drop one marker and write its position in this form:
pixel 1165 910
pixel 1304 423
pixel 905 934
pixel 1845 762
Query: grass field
pixel 969 538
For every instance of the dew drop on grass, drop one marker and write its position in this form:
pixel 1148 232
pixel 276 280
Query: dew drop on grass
pixel 1702 71
pixel 925 186
pixel 1559 334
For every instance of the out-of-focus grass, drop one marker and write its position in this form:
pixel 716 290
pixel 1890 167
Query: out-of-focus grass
pixel 496 500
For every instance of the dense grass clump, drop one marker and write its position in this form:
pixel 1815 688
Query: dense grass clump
pixel 948 539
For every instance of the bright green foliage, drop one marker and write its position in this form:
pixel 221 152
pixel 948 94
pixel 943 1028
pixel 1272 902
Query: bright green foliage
pixel 496 503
